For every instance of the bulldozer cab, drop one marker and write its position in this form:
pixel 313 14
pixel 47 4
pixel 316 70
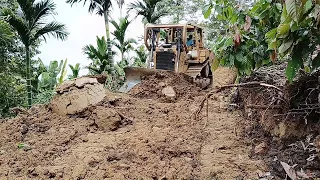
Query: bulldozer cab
pixel 173 47
pixel 174 41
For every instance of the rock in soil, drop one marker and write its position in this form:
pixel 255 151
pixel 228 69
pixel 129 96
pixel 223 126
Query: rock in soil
pixel 261 149
pixel 169 92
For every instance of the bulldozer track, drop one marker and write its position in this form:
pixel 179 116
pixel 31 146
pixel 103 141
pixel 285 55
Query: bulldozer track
pixel 201 74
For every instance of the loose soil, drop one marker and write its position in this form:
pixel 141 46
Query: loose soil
pixel 140 135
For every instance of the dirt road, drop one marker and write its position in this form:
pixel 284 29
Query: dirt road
pixel 225 154
pixel 144 135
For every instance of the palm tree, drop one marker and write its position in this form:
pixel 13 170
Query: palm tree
pixel 102 8
pixel 120 42
pixel 75 71
pixel 29 23
pixel 120 5
pixel 148 9
pixel 102 62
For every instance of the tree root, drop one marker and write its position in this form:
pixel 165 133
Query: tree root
pixel 207 96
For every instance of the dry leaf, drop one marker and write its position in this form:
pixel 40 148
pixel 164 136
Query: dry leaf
pixel 248 23
pixel 273 56
pixel 289 170
pixel 302 174
pixel 237 38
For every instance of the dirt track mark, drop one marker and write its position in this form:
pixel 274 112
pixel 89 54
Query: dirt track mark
pixel 224 154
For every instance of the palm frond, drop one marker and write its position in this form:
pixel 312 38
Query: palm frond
pixel 120 3
pixel 117 45
pixel 55 29
pixel 115 24
pixel 155 17
pixel 94 70
pixel 132 41
pixel 102 45
pixel 41 10
pixel 72 2
pixel 99 6
pixel 91 51
pixel 147 9
pixel 71 67
pixel 26 8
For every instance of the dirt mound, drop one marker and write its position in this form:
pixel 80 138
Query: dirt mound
pixel 122 137
pixel 155 87
pixel 75 96
pixel 119 138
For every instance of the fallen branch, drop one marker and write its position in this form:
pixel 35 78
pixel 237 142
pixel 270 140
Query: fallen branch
pixel 264 106
pixel 249 84
pixel 289 113
pixel 230 86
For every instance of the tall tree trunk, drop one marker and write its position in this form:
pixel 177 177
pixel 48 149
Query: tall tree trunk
pixel 29 90
pixel 106 22
pixel 122 55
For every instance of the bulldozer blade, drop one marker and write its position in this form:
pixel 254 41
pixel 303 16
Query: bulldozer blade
pixel 133 77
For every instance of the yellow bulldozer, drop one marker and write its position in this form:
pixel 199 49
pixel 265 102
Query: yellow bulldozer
pixel 177 48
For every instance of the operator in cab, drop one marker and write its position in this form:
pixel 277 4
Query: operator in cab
pixel 190 40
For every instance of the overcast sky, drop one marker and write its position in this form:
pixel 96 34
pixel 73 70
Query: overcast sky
pixel 83 28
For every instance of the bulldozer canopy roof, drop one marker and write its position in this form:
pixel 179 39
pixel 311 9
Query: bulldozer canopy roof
pixel 186 25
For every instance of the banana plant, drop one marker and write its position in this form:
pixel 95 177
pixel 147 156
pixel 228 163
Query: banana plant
pixel 63 72
pixel 49 79
pixel 75 71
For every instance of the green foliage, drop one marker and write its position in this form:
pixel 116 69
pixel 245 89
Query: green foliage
pixel 240 35
pixel 12 93
pixel 21 145
pixel 44 96
pixel 12 69
pixel 75 71
pixel 102 62
pixel 63 72
pixel 6 35
pixel 141 57
pixel 29 22
pixel 49 78
pixel 150 10
pixel 120 42
pixel 297 35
